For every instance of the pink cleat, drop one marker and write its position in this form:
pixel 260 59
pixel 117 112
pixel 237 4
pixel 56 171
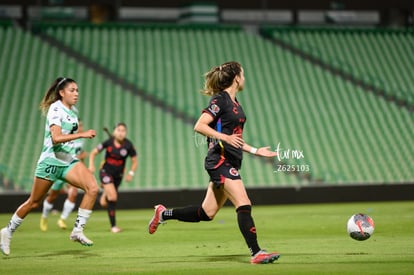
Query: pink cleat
pixel 264 257
pixel 156 219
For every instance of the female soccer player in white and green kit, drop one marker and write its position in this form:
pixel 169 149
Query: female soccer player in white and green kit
pixel 58 161
pixel 58 185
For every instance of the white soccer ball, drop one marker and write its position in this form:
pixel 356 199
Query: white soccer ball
pixel 360 227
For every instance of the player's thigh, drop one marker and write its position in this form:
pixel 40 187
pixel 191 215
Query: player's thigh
pixel 214 200
pixel 79 176
pixel 236 192
pixel 110 191
pixel 39 189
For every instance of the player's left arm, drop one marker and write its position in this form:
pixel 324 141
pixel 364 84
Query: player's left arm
pixel 134 165
pixel 262 151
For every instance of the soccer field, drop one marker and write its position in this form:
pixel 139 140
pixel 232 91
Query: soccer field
pixel 311 238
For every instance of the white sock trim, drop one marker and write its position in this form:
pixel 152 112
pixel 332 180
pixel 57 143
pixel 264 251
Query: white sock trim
pixel 84 212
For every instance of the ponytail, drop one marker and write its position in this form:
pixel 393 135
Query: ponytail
pixel 220 77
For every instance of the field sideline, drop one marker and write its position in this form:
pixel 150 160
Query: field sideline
pixel 312 239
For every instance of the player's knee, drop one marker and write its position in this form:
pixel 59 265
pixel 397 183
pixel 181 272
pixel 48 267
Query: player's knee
pixel 53 194
pixel 113 197
pixel 206 216
pixel 92 189
pixel 33 204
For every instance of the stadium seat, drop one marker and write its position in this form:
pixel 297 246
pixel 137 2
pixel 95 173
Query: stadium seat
pixel 347 135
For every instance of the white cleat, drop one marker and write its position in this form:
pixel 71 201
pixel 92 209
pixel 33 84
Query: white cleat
pixel 78 236
pixel 5 238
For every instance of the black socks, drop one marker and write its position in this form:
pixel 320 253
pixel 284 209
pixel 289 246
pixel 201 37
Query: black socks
pixel 186 214
pixel 111 212
pixel 197 214
pixel 247 228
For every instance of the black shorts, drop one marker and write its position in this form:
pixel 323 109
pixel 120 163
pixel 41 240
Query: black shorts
pixel 223 172
pixel 107 178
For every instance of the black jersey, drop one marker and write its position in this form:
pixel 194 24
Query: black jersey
pixel 229 118
pixel 115 156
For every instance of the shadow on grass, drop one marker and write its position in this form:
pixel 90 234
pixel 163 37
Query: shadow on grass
pixel 227 258
pixel 75 253
pixel 242 258
pixel 78 253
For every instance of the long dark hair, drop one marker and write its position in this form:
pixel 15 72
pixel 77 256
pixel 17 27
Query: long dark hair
pixel 52 94
pixel 220 77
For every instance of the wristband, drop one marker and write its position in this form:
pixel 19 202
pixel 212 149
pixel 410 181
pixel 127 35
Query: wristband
pixel 253 150
pixel 131 173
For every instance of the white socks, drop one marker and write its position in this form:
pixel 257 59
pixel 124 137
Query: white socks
pixel 14 223
pixel 67 209
pixel 83 216
pixel 47 207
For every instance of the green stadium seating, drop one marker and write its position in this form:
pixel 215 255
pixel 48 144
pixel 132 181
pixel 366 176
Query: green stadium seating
pixel 382 58
pixel 347 136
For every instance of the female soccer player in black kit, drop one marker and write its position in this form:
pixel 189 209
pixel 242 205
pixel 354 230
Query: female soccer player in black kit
pixel 118 148
pixel 222 123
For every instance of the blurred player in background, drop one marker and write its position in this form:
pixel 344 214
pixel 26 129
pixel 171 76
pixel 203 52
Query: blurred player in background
pixel 58 161
pixel 222 123
pixel 58 185
pixel 118 148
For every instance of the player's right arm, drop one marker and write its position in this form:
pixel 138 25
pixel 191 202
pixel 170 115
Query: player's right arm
pixel 92 160
pixel 59 137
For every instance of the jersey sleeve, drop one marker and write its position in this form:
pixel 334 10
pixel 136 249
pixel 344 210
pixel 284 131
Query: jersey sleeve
pixel 103 145
pixel 216 106
pixel 54 116
pixel 133 152
pixel 131 149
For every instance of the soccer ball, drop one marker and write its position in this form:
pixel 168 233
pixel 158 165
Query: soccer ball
pixel 360 227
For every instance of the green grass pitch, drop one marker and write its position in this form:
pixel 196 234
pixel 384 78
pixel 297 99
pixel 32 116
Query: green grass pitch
pixel 312 239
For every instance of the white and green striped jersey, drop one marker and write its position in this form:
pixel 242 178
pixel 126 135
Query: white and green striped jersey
pixel 78 145
pixel 61 154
